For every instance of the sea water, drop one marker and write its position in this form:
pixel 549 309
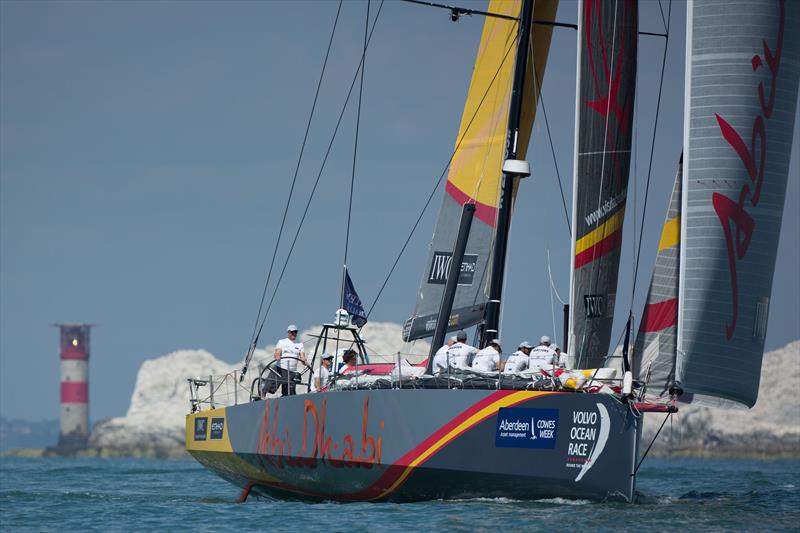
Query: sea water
pixel 59 494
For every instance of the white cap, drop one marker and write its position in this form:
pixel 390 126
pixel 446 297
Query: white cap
pixel 554 346
pixel 291 327
pixel 525 344
pixel 495 341
pixel 544 339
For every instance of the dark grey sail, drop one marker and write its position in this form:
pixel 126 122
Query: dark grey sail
pixel 608 33
pixel 743 65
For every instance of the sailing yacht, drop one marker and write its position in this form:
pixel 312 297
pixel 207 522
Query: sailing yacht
pixel 376 435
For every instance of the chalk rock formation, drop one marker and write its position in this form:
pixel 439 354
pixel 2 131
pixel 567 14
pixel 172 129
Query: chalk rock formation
pixel 771 427
pixel 159 403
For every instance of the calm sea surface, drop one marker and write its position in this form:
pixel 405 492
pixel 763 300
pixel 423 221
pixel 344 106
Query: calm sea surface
pixel 127 494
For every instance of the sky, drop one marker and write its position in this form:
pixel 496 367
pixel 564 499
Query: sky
pixel 147 151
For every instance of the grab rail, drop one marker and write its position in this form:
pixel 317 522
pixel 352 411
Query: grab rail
pixel 215 391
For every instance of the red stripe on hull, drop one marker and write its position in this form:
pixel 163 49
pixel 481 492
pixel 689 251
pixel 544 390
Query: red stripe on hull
pixel 396 469
pixel 74 392
pixel 659 316
pixel 484 212
pixel 600 249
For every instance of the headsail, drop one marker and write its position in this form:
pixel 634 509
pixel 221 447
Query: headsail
pixel 656 342
pixel 605 94
pixel 475 171
pixel 743 64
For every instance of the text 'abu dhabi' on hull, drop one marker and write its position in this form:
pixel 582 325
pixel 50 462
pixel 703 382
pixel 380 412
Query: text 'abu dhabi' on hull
pixel 374 446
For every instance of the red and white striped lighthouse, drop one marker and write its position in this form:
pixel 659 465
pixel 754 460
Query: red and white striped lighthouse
pixel 74 434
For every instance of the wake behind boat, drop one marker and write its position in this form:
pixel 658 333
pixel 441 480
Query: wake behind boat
pixel 403 432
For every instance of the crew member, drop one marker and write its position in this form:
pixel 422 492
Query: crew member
pixel 461 353
pixel 287 352
pixel 518 361
pixel 322 375
pixel 488 359
pixel 349 361
pixel 542 356
pixel 560 359
pixel 440 358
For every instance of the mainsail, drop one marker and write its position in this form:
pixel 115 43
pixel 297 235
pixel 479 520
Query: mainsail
pixel 743 64
pixel 656 342
pixel 605 94
pixel 475 170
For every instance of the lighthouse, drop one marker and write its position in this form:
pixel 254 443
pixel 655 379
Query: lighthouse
pixel 74 427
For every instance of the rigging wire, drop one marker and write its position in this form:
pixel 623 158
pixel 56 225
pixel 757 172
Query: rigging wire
pixel 319 174
pixel 663 21
pixel 438 182
pixel 552 304
pixel 652 147
pixel 355 154
pixel 549 137
pixel 254 336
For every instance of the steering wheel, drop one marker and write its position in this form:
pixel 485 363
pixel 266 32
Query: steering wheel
pixel 273 377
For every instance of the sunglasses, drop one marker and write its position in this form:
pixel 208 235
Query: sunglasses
pixel 293 332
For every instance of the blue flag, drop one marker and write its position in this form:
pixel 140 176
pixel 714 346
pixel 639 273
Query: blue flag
pixel 352 303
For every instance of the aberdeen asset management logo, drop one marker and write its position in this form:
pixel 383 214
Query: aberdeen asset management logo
pixel 440 266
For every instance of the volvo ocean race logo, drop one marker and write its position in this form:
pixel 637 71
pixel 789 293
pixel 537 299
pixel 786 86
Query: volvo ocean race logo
pixel 526 428
pixel 587 438
pixel 440 266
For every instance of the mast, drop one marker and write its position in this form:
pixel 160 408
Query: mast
pixel 492 318
pixel 454 272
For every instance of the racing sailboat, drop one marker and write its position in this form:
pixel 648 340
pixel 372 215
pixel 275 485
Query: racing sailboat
pixel 375 436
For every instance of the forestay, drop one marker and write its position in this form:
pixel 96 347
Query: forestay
pixel 743 61
pixel 475 170
pixel 606 86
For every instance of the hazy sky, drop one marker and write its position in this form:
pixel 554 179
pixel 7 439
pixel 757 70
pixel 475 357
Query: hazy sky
pixel 146 152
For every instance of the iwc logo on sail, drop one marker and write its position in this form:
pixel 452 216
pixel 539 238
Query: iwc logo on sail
pixel 440 266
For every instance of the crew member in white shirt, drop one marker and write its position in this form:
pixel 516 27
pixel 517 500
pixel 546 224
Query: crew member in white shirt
pixel 287 352
pixel 461 353
pixel 440 358
pixel 349 361
pixel 488 359
pixel 322 375
pixel 542 356
pixel 518 361
pixel 560 358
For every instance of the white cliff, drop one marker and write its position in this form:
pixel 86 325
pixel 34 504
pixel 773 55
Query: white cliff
pixel 772 426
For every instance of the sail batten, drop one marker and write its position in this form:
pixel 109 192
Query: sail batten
pixel 605 91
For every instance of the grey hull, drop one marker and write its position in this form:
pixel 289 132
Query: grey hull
pixel 411 445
